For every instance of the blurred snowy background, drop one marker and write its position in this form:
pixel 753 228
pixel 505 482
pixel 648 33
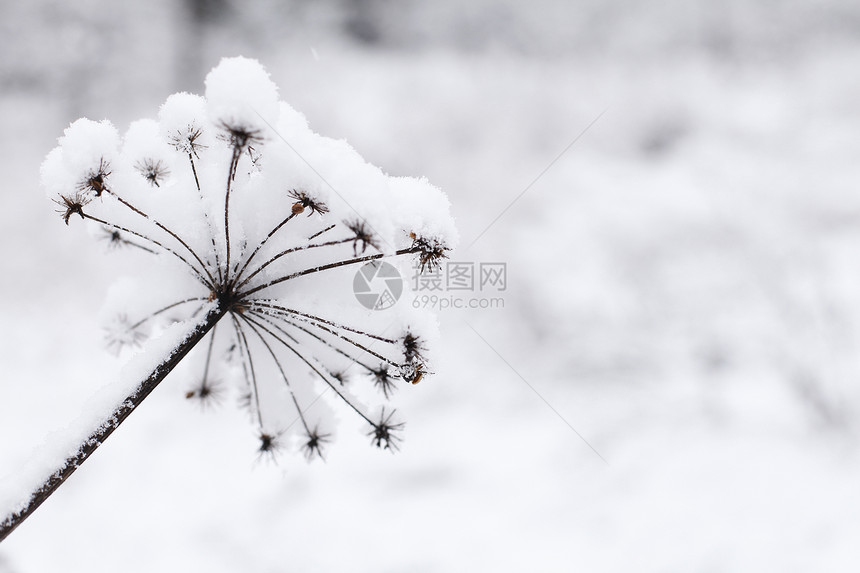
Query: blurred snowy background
pixel 683 289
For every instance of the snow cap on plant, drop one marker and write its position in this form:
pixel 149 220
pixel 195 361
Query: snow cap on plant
pixel 241 97
pixel 85 145
pixel 259 224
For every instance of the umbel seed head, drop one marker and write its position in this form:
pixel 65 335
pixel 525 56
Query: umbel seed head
pixel 210 197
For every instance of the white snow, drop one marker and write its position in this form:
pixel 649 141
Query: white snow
pixel 682 289
pixel 83 146
pixel 239 93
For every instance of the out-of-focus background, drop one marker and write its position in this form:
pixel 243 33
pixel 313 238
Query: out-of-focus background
pixel 672 382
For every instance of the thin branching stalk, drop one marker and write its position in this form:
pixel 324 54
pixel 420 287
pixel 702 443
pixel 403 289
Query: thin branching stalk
pixel 164 309
pixel 260 246
pixel 268 304
pixel 283 375
pixel 287 252
pixel 308 363
pixel 158 224
pixel 231 176
pixel 326 267
pixel 318 233
pixel 153 241
pixel 206 216
pixel 245 349
pixel 340 336
pixel 312 334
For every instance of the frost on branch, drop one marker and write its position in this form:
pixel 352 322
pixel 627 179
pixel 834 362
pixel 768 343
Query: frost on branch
pixel 231 199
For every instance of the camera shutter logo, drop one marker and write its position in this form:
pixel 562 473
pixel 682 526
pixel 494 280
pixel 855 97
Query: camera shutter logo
pixel 377 285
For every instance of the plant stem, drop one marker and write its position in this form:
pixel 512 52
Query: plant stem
pixel 118 416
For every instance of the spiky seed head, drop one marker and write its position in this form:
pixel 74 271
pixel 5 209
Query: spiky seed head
pixel 430 251
pixel 304 202
pixel 363 236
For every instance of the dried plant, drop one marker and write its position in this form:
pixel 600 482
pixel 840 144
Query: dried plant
pixel 213 191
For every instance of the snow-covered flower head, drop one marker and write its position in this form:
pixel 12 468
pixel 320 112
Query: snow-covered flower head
pixel 244 212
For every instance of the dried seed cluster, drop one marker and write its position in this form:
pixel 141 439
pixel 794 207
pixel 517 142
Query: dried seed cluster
pixel 264 335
